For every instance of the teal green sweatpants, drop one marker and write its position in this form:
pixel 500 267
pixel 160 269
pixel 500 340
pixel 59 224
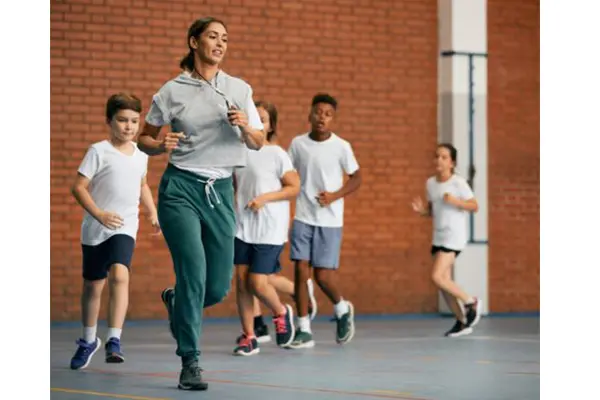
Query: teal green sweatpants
pixel 197 219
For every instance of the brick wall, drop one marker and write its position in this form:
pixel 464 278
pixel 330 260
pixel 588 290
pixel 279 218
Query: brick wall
pixel 514 143
pixel 379 58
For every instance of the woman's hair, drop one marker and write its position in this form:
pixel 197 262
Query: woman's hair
pixel 453 155
pixel 195 30
pixel 272 111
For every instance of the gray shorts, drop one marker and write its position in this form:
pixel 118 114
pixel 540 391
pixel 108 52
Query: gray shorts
pixel 318 245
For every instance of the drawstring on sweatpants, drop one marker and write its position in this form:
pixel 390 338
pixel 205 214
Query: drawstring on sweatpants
pixel 209 185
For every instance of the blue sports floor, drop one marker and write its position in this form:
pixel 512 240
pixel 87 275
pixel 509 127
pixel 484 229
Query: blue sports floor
pixel 389 358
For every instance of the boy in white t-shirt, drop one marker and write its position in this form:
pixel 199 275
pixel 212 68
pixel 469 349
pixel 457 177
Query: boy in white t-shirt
pixel 322 159
pixel 110 182
pixel 450 199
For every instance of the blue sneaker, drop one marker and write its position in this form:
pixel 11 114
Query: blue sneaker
pixel 113 351
pixel 168 298
pixel 84 353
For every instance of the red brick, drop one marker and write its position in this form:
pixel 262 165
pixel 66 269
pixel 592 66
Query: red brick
pixel 514 143
pixel 388 110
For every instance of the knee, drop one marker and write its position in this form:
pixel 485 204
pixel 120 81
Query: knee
pixel 241 279
pixel 257 283
pixel 215 294
pixel 93 289
pixel 302 270
pixel 438 278
pixel 322 276
pixel 118 276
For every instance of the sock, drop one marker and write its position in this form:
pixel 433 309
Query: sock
pixel 114 333
pixel 304 324
pixel 258 321
pixel 341 308
pixel 89 333
pixel 470 301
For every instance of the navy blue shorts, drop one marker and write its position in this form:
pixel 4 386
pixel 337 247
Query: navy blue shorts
pixel 435 249
pixel 97 260
pixel 260 258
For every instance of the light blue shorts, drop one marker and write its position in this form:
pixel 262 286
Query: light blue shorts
pixel 318 245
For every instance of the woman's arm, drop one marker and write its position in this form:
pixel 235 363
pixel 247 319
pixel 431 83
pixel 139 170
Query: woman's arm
pixel 149 143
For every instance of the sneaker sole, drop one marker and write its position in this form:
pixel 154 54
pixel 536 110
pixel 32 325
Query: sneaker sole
pixel 293 331
pixel 312 299
pixel 242 354
pixel 90 357
pixel 305 345
pixel 477 314
pixel 352 330
pixel 464 332
pixel 202 386
pixel 115 359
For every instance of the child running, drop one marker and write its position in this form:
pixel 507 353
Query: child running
pixel 264 188
pixel 268 114
pixel 322 159
pixel 450 199
pixel 110 182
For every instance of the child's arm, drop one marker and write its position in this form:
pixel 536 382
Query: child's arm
pixel 422 209
pixel 467 205
pixel 466 198
pixel 351 168
pixel 148 203
pixel 291 187
pixel 351 185
pixel 84 198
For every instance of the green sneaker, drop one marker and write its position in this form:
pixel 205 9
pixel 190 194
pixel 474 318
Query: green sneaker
pixel 345 326
pixel 190 378
pixel 302 340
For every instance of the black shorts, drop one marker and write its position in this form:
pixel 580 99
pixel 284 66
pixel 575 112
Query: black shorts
pixel 435 249
pixel 97 260
pixel 260 258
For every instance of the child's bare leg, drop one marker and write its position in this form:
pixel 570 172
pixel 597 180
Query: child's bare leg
pixel 282 284
pixel 245 300
pixel 118 302
pixel 91 297
pixel 442 265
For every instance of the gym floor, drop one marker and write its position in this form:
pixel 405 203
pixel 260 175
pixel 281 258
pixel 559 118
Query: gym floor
pixel 404 358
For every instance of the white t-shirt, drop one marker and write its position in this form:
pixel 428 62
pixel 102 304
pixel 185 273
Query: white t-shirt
pixel 115 185
pixel 321 166
pixel 449 222
pixel 262 174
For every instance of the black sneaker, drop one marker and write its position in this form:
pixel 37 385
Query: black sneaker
pixel 114 355
pixel 345 326
pixel 284 327
pixel 459 329
pixel 473 313
pixel 246 347
pixel 261 332
pixel 190 378
pixel 168 298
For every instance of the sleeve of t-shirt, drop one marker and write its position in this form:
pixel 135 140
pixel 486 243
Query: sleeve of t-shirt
pixel 284 164
pixel 159 113
pixel 349 162
pixel 90 164
pixel 465 191
pixel 252 112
